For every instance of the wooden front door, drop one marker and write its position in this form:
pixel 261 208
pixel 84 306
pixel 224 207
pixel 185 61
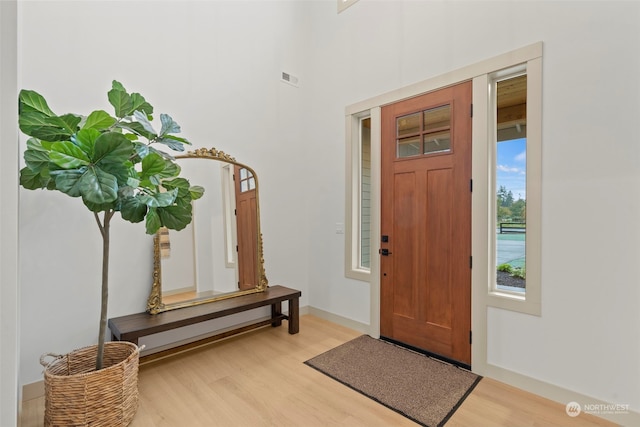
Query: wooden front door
pixel 425 263
pixel 247 226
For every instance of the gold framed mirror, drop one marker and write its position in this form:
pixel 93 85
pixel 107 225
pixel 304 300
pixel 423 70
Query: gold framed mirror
pixel 219 255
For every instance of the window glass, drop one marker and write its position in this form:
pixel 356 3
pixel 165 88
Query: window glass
pixel 247 181
pixel 365 193
pixel 511 183
pixel 426 132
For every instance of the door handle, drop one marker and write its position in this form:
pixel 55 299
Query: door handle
pixel 384 252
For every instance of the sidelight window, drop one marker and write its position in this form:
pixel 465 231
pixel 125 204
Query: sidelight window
pixel 514 205
pixel 511 182
pixel 359 198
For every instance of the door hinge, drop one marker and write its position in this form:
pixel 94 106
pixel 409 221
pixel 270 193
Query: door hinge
pixel 471 262
pixel 471 185
pixel 470 338
pixel 237 248
pixel 471 110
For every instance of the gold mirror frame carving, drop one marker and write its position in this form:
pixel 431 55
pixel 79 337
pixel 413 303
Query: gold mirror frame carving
pixel 154 302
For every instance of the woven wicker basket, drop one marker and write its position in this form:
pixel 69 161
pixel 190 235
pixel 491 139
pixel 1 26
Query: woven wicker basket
pixel 78 395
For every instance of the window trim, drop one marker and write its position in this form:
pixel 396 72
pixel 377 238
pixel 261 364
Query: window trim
pixel 484 140
pixel 353 268
pixel 229 218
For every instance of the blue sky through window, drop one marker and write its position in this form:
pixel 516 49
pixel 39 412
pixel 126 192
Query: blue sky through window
pixel 511 167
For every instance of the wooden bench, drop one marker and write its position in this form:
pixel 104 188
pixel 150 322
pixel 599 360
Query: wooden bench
pixel 132 327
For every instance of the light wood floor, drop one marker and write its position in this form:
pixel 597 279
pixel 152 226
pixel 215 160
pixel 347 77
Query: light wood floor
pixel 258 379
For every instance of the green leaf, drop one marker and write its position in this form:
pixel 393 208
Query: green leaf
pixel 93 184
pixel 68 181
pixel 37 125
pixel 68 156
pixel 120 99
pixel 171 143
pixel 148 200
pixel 152 165
pixel 140 104
pixel 125 191
pixel 196 192
pixel 112 152
pixel 32 101
pixel 142 150
pixel 175 217
pixel 36 160
pixel 85 139
pixel 166 198
pixel 178 138
pixel 180 183
pixel 98 186
pixel 152 223
pixel 100 120
pixel 67 123
pixel 36 144
pixel 117 85
pixel 133 210
pixel 142 119
pixel 133 182
pixel 32 180
pixel 168 125
pixel 171 169
pixel 112 148
pixel 36 156
pixel 162 153
pixel 136 128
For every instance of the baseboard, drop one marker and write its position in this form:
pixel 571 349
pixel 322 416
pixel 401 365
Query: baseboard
pixel 340 320
pixel 606 410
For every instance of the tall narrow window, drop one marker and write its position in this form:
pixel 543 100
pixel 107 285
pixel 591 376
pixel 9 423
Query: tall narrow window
pixel 359 210
pixel 511 135
pixel 365 193
pixel 511 182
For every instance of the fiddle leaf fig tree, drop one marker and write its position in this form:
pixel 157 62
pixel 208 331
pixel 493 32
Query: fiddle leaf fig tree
pixel 112 164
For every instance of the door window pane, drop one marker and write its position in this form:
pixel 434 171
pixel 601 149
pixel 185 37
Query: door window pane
pixel 437 118
pixel 407 125
pixel 423 133
pixel 437 142
pixel 408 147
pixel 247 181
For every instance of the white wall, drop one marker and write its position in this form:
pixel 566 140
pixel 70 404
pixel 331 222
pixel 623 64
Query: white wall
pixel 9 293
pixel 587 339
pixel 214 66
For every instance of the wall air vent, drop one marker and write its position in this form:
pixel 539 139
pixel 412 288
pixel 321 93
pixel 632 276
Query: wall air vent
pixel 289 78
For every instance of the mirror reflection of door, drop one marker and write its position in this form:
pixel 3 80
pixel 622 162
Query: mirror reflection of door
pixel 246 220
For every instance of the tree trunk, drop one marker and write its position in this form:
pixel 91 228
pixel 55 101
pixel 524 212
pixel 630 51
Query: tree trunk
pixel 104 229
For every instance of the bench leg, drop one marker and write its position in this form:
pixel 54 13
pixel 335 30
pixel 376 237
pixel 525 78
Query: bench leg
pixel 294 316
pixel 276 310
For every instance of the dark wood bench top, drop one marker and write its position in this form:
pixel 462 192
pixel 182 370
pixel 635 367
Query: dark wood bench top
pixel 133 326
